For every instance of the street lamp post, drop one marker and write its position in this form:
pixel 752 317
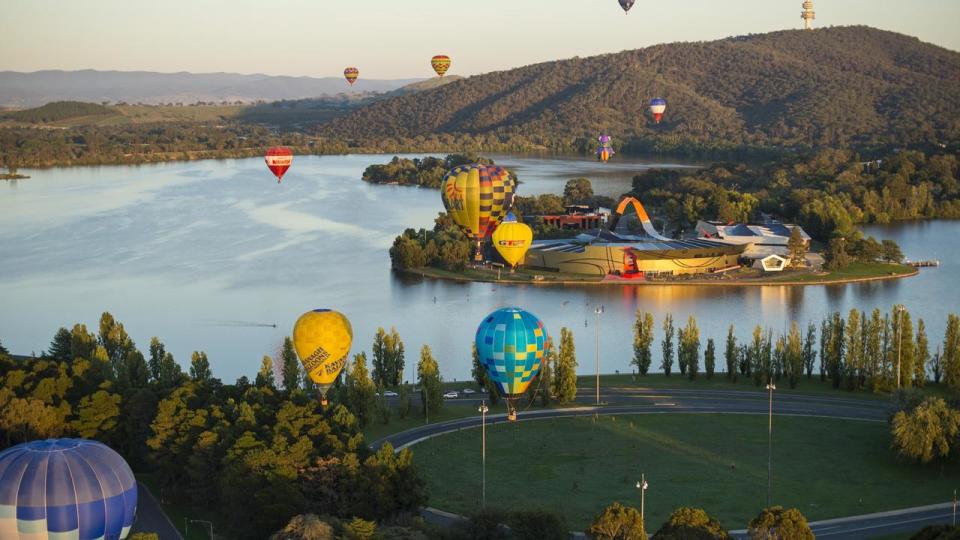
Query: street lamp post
pixel 598 311
pixel 900 310
pixel 642 486
pixel 770 387
pixel 483 453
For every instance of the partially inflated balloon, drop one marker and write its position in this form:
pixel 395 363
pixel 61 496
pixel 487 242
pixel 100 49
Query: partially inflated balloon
pixel 351 74
pixel 477 197
pixel 279 159
pixel 657 107
pixel 440 64
pixel 512 240
pixel 322 338
pixel 65 488
pixel 626 4
pixel 510 344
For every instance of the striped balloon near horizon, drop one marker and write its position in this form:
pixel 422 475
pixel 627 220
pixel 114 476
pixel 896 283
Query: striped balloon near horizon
pixel 63 489
pixel 351 74
pixel 440 63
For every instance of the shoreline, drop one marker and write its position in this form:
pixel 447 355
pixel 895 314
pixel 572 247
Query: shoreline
pixel 426 273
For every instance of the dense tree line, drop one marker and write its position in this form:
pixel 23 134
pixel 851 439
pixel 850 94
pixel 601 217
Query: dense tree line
pixel 266 451
pixel 57 110
pixel 843 86
pixel 427 172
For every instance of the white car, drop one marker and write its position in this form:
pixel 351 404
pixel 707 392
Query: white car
pixel 390 393
pixel 469 391
pixel 451 395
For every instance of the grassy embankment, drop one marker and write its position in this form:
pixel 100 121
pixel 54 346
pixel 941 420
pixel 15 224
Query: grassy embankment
pixel 825 467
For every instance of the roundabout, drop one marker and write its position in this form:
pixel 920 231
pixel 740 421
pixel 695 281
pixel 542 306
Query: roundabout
pixel 698 448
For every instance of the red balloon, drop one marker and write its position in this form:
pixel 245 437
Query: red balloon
pixel 278 160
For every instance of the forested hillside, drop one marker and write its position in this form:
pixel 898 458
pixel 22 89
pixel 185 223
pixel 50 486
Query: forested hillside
pixel 844 86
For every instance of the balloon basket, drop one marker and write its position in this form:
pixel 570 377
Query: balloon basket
pixel 324 402
pixel 512 416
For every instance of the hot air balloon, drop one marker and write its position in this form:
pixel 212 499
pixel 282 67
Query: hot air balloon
pixel 626 5
pixel 351 74
pixel 65 488
pixel 605 149
pixel 278 161
pixel 510 343
pixel 657 106
pixel 322 339
pixel 477 197
pixel 440 63
pixel 512 240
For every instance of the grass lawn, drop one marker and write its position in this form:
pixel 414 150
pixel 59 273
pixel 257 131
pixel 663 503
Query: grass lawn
pixel 857 270
pixel 177 513
pixel 825 467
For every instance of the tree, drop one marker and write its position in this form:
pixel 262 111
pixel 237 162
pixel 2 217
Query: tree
pixel 730 354
pixel 902 351
pixel 617 522
pixel 537 525
pixel 854 365
pixel 379 353
pixel 710 358
pixel 922 355
pixel 482 377
pixel 688 350
pixel 642 340
pixel 170 372
pixel 793 355
pixel 60 346
pixel 305 527
pixel 797 247
pixel 395 356
pixel 836 255
pixel 290 366
pixel 98 416
pixel 577 191
pixel 938 532
pixel 157 352
pixel 361 392
pixel 951 353
pixel 691 524
pixel 431 384
pixel 936 366
pixel 667 345
pixel 113 337
pixel 891 251
pixel 545 382
pixel 360 529
pixel 928 432
pixel 809 355
pixel 777 523
pixel 565 375
pixel 265 375
pixel 200 367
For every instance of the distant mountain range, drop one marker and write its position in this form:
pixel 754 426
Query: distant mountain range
pixel 842 86
pixel 23 90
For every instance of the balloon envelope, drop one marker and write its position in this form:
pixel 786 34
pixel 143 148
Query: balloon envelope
pixel 510 343
pixel 657 108
pixel 512 239
pixel 322 339
pixel 65 488
pixel 605 149
pixel 279 159
pixel 351 74
pixel 440 64
pixel 477 197
pixel 626 4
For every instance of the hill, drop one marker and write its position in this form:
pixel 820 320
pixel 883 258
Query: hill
pixel 843 86
pixel 23 90
pixel 58 111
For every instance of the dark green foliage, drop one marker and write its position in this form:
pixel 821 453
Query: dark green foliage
pixel 537 525
pixel 617 522
pixel 444 247
pixel 691 524
pixel 289 366
pixel 710 358
pixel 837 86
pixel 937 532
pixel 484 524
pixel 58 110
pixel 427 172
pixel 777 523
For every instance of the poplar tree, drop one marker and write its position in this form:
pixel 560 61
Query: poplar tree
pixel 200 367
pixel 565 376
pixel 710 358
pixel 921 355
pixel 431 384
pixel 730 354
pixel 545 384
pixel 688 351
pixel 290 366
pixel 667 345
pixel 794 355
pixel 361 391
pixel 265 375
pixel 809 354
pixel 756 355
pixel 873 351
pixel 951 353
pixel 854 347
pixel 378 353
pixel 480 375
pixel 642 340
pixel 902 350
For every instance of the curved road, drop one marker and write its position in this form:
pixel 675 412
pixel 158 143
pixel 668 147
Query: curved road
pixel 657 401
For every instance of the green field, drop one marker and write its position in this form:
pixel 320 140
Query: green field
pixel 825 467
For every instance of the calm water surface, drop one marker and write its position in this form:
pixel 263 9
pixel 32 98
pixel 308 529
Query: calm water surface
pixel 197 253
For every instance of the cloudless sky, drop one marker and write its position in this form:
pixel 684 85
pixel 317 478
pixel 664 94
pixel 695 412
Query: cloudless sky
pixel 396 38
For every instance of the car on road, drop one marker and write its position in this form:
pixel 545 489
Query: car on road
pixel 451 395
pixel 390 393
pixel 469 391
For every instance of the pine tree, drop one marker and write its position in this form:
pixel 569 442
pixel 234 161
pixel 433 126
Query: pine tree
pixel 200 367
pixel 797 248
pixel 361 391
pixel 951 353
pixel 60 346
pixel 431 384
pixel 290 366
pixel 922 355
pixel 642 340
pixel 265 375
pixel 710 358
pixel 730 354
pixel 667 345
pixel 565 376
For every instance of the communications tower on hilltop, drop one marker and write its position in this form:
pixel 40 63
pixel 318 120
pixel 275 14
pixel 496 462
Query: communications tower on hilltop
pixel 808 15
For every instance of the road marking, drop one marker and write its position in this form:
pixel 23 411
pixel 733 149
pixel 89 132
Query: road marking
pixel 665 404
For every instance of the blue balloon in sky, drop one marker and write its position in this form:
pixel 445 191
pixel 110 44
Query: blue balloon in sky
pixel 65 488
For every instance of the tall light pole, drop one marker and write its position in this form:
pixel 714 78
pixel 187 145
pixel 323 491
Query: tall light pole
pixel 900 310
pixel 483 453
pixel 642 486
pixel 598 311
pixel 770 388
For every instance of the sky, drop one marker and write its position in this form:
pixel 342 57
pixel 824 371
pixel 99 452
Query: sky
pixel 388 39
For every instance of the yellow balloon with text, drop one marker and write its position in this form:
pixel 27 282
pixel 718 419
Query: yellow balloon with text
pixel 322 338
pixel 512 239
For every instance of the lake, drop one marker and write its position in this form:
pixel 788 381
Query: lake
pixel 206 255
